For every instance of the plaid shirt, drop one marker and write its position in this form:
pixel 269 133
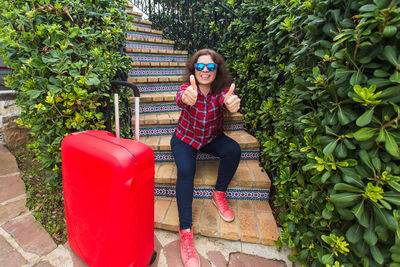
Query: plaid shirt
pixel 201 123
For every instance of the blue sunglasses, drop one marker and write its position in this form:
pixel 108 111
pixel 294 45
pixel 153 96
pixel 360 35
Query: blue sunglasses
pixel 210 66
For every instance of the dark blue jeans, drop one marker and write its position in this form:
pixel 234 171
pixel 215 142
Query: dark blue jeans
pixel 224 147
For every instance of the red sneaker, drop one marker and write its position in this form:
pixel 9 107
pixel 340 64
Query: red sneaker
pixel 189 255
pixel 225 211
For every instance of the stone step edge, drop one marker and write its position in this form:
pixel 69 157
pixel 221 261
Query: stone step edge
pixel 144 30
pixel 253 223
pixel 160 143
pixel 156 51
pixel 163 156
pixel 149 40
pixel 173 118
pixel 141 21
pixel 205 192
pixel 163 79
pixel 133 13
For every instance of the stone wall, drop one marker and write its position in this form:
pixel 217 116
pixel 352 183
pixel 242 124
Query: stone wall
pixel 10 133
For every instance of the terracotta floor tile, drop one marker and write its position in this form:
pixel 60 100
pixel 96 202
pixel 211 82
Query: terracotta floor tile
pixel 160 209
pixel 171 220
pixel 209 221
pixel 248 226
pixel 268 228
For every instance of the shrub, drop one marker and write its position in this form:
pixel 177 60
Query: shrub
pixel 62 53
pixel 320 80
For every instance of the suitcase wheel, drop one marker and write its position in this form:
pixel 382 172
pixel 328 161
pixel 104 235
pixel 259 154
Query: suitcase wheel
pixel 153 257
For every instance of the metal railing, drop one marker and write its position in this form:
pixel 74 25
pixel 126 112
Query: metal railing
pixel 192 24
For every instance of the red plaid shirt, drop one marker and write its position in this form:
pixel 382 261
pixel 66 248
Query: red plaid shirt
pixel 201 123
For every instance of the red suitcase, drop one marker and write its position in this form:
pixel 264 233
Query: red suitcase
pixel 108 187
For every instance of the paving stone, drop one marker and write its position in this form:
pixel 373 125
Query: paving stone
pixel 248 226
pixel 158 249
pixel 173 254
pixel 217 258
pixel 171 220
pixel 9 256
pixel 230 230
pixel 262 205
pixel 8 164
pixel 244 205
pixel 197 208
pixel 160 209
pixel 209 221
pixel 11 187
pixel 43 264
pixel 268 228
pixel 244 260
pixel 77 261
pixel 200 173
pixel 30 235
pixel 12 210
pixel 211 173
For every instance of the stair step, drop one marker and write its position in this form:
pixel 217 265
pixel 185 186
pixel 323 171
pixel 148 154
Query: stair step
pixel 162 52
pixel 254 222
pixel 165 79
pixel 157 97
pixel 249 175
pixel 171 118
pixel 147 45
pixel 156 71
pixel 168 156
pixel 155 130
pixel 133 13
pixel 4 71
pixel 141 32
pixel 162 143
pixel 138 22
pixel 150 40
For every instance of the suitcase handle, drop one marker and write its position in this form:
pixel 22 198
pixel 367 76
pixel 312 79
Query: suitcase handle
pixel 136 93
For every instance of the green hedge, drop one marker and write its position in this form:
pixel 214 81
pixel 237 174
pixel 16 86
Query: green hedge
pixel 321 85
pixel 62 53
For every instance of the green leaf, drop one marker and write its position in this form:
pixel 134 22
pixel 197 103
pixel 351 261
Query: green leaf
pixel 367 8
pixel 341 151
pixel 343 119
pixel 377 163
pixel 376 254
pixel 327 259
pixel 356 78
pixel 395 77
pixel 380 73
pixel 394 185
pixel 344 197
pixel 33 94
pixel 92 79
pixel 381 136
pixel 354 233
pixel 385 218
pixel 330 147
pixel 365 118
pixel 389 52
pixel 343 72
pixel 347 188
pixel 391 146
pixel 370 237
pixel 366 159
pixel 364 133
pixel 349 144
pixel 361 214
pixel 393 199
pixel 389 31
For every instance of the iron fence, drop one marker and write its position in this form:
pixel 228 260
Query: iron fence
pixel 191 24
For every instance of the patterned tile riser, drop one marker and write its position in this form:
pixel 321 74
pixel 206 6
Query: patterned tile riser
pixel 156 72
pixel 206 193
pixel 149 46
pixel 168 157
pixel 157 108
pixel 157 131
pixel 156 58
pixel 153 88
pixel 144 35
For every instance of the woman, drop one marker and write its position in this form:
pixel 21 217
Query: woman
pixel 203 98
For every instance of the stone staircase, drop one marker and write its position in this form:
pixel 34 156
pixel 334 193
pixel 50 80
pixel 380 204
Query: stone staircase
pixel 157 70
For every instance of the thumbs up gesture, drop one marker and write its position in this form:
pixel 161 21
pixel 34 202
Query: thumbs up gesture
pixel 232 102
pixel 189 97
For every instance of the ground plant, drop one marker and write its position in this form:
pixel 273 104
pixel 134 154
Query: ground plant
pixel 63 54
pixel 321 85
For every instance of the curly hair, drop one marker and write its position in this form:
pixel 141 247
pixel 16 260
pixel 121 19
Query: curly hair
pixel 222 80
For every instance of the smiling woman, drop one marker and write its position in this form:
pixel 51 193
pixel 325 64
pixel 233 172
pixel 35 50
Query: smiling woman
pixel 203 98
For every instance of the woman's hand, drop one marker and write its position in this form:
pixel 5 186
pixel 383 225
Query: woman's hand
pixel 189 97
pixel 232 102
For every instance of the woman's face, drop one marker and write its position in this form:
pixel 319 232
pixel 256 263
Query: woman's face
pixel 205 76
